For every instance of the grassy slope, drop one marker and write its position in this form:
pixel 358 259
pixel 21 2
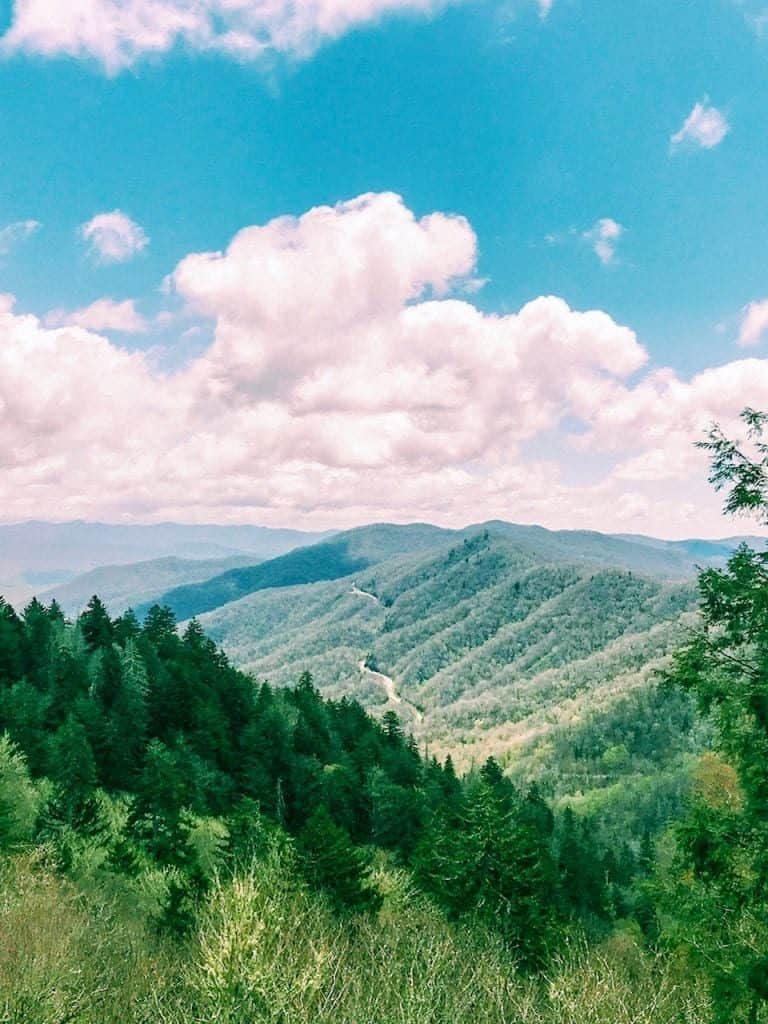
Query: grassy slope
pixel 266 950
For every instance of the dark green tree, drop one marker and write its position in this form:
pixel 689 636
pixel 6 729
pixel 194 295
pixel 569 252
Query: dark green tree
pixel 719 897
pixel 332 863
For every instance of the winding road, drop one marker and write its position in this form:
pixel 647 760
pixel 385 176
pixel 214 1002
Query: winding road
pixel 387 683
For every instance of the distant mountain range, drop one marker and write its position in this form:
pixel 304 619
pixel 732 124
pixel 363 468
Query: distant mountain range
pixel 35 556
pixel 355 550
pixel 196 569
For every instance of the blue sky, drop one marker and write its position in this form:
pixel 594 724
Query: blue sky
pixel 534 128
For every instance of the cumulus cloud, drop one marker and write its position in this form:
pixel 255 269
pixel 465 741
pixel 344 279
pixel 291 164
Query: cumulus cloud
pixel 102 315
pixel 119 32
pixel 603 237
pixel 12 234
pixel 705 126
pixel 754 323
pixel 114 237
pixel 349 379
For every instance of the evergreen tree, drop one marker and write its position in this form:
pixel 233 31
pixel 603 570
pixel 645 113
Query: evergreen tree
pixel 74 768
pixel 720 892
pixel 96 625
pixel 11 645
pixel 332 863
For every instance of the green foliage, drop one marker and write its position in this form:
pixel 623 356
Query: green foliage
pixel 301 861
pixel 332 863
pixel 716 892
pixel 265 950
pixel 491 858
pixel 327 561
pixel 19 798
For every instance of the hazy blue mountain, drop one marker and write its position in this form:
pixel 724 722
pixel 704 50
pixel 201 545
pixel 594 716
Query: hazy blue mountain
pixel 128 586
pixel 701 552
pixel 36 555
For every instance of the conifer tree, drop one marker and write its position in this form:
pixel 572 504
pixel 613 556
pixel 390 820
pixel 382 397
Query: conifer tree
pixel 720 893
pixel 332 863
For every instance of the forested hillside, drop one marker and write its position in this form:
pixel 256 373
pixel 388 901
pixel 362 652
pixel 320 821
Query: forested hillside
pixel 345 554
pixel 147 772
pixel 121 587
pixel 183 841
pixel 485 646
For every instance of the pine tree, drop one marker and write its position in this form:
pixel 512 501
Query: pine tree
pixel 126 720
pixel 332 863
pixel 96 625
pixel 11 645
pixel 74 768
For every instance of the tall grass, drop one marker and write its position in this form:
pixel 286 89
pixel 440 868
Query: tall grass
pixel 266 951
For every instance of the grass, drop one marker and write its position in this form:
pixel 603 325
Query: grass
pixel 266 951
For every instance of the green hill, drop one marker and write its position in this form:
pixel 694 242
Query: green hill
pixel 345 554
pixel 484 638
pixel 127 586
pixel 38 556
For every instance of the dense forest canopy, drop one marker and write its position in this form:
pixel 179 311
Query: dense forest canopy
pixel 111 710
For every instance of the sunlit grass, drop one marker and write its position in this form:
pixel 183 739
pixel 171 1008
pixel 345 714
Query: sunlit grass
pixel 266 950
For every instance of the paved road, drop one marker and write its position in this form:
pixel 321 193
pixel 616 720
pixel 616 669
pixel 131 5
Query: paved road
pixel 389 687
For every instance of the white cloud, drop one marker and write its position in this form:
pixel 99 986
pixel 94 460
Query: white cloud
pixel 545 6
pixel 102 315
pixel 603 237
pixel 754 323
pixel 705 126
pixel 346 381
pixel 119 32
pixel 12 234
pixel 114 237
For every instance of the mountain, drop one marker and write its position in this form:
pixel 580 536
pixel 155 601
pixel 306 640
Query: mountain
pixel 127 586
pixel 667 559
pixel 701 552
pixel 478 637
pixel 345 554
pixel 538 648
pixel 36 556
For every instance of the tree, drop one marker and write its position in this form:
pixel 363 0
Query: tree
pixel 19 802
pixel 11 644
pixel 719 895
pixel 126 719
pixel 75 767
pixel 96 625
pixel 491 859
pixel 332 863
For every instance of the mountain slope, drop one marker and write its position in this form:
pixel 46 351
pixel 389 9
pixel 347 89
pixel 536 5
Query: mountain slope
pixel 486 638
pixel 126 586
pixel 36 555
pixel 359 549
pixel 345 554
